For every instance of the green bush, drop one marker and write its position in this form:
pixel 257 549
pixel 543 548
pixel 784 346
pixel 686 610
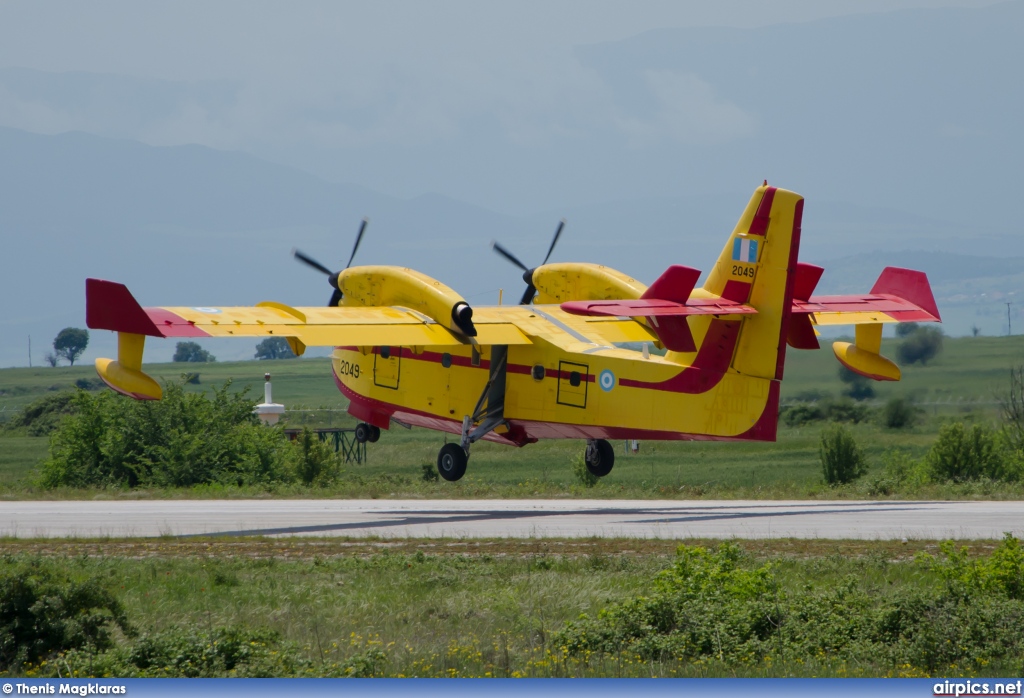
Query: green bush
pixel 42 613
pixel 714 607
pixel 841 458
pixel 182 440
pixel 41 417
pixel 312 460
pixel 858 386
pixel 802 413
pixel 899 470
pixel 845 410
pixel 919 345
pixel 579 469
pixel 898 413
pixel 959 455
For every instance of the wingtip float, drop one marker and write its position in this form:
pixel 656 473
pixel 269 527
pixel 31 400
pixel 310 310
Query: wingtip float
pixel 409 350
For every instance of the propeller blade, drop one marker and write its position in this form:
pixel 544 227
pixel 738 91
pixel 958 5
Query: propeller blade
pixel 311 262
pixel 558 233
pixel 335 299
pixel 359 238
pixel 527 298
pixel 496 246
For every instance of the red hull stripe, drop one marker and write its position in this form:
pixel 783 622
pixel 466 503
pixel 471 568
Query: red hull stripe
pixel 759 226
pixel 787 299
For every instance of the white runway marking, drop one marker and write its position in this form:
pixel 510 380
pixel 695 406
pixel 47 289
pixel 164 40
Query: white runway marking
pixel 513 519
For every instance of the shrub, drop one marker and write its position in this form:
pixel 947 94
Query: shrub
pixel 898 413
pixel 800 414
pixel 960 454
pixel 920 345
pixel 182 440
pixel 579 469
pixel 41 614
pixel 858 387
pixel 845 410
pixel 191 352
pixel 841 458
pixel 274 348
pixel 312 460
pixel 41 417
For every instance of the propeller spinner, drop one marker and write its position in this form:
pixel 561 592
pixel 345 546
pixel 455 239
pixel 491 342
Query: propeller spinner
pixel 531 290
pixel 332 276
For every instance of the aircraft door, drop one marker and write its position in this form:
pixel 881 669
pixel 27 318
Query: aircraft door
pixel 387 367
pixel 572 384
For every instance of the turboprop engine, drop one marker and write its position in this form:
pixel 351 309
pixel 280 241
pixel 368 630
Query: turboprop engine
pixel 559 283
pixel 386 285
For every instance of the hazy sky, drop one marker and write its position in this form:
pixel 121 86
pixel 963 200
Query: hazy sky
pixel 363 79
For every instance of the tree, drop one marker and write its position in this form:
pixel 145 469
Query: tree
pixel 70 343
pixel 192 352
pixel 860 388
pixel 51 359
pixel 274 348
pixel 919 345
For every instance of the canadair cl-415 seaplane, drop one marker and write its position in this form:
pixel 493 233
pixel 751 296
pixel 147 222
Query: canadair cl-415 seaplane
pixel 410 350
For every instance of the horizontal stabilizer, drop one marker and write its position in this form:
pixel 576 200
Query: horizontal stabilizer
pixel 911 286
pixel 676 284
pixel 657 308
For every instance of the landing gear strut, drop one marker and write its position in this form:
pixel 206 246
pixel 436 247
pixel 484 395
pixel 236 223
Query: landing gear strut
pixel 367 432
pixel 600 457
pixel 488 414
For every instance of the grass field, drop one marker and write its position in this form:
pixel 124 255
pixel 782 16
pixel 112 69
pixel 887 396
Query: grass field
pixel 455 608
pixel 963 383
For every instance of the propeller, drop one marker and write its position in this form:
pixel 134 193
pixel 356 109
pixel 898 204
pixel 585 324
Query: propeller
pixel 332 276
pixel 531 290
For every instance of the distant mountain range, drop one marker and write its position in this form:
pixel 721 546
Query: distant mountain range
pixel 189 225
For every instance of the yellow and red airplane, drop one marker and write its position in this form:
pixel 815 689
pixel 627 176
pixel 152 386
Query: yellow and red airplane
pixel 409 350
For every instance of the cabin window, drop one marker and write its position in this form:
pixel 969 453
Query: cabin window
pixel 385 352
pixel 446 360
pixel 538 372
pixel 574 379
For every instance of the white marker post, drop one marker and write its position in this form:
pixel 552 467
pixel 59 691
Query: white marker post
pixel 268 411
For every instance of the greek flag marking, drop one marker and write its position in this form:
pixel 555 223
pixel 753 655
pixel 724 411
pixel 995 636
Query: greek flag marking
pixel 744 250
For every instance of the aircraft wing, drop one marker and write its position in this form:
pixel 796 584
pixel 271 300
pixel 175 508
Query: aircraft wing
pixel 110 306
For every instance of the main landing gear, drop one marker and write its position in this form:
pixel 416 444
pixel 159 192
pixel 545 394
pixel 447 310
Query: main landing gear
pixel 599 457
pixel 488 415
pixel 367 432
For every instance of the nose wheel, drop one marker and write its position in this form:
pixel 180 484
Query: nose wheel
pixel 600 457
pixel 451 462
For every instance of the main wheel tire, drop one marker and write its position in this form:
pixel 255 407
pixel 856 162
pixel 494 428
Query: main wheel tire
pixel 374 434
pixel 451 462
pixel 363 431
pixel 602 459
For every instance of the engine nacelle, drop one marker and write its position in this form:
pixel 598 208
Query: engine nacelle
pixel 559 283
pixel 385 286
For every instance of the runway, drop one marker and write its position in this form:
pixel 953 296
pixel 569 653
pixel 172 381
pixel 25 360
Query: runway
pixel 513 519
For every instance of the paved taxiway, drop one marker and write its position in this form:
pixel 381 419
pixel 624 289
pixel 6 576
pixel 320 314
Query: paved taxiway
pixel 513 518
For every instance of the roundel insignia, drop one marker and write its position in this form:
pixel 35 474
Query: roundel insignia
pixel 606 379
pixel 212 311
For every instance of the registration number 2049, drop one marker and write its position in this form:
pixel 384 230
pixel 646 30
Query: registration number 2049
pixel 743 271
pixel 346 368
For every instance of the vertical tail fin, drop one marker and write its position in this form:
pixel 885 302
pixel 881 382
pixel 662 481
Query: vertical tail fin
pixel 757 267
